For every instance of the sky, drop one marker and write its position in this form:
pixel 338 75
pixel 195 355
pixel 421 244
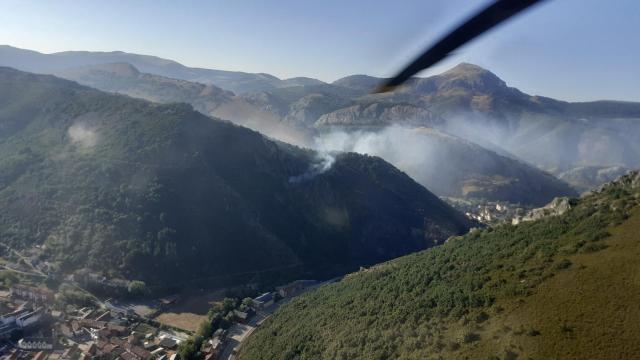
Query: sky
pixel 577 50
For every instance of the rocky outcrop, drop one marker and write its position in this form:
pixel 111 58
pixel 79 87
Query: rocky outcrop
pixel 556 207
pixel 630 181
pixel 585 178
pixel 378 114
pixel 306 111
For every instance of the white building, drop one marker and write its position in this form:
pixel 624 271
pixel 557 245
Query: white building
pixel 35 344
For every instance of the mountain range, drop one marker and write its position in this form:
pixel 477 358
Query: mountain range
pixel 236 81
pixel 163 193
pixel 468 104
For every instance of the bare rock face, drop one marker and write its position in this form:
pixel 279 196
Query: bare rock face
pixel 631 181
pixel 559 206
pixel 378 114
pixel 556 207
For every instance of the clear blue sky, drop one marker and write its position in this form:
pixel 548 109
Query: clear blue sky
pixel 568 49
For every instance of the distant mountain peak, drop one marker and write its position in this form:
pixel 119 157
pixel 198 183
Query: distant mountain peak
pixel 465 67
pixel 359 82
pixel 470 76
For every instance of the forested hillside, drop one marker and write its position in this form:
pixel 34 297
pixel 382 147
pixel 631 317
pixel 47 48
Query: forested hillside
pixel 560 287
pixel 166 194
pixel 445 164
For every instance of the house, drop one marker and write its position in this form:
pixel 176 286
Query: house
pixel 30 318
pixel 71 353
pixel 117 341
pixel 118 311
pixel 95 324
pixel 128 356
pixel 219 333
pixel 216 344
pixel 105 316
pixel 92 349
pixel 13 355
pixel 36 343
pixel 19 319
pixel 140 353
pixel 242 316
pixel 40 355
pixel 167 342
pixel 265 300
pixel 57 314
pixel 35 294
pixel 110 350
pixel 116 329
pixel 158 352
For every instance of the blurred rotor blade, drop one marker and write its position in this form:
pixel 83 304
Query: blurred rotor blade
pixel 491 16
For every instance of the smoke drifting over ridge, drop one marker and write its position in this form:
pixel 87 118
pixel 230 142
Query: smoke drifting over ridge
pixel 324 162
pixel 449 165
pixel 402 147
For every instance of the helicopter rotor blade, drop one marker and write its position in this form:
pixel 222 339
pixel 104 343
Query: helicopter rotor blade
pixel 491 16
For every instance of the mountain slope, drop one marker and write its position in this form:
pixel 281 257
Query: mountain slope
pixel 252 111
pixel 166 194
pixel 552 288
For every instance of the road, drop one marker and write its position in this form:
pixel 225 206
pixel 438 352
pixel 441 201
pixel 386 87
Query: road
pixel 238 333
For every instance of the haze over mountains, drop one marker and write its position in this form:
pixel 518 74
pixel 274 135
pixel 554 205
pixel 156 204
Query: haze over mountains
pixel 495 141
pixel 165 194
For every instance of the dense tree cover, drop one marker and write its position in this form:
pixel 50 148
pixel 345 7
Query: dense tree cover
pixel 164 194
pixel 430 304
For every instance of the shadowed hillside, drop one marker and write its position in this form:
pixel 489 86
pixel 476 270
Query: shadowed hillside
pixel 540 289
pixel 166 194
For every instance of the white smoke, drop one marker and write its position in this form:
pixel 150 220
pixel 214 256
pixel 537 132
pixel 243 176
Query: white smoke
pixel 323 163
pixel 83 136
pixel 403 147
pixel 420 152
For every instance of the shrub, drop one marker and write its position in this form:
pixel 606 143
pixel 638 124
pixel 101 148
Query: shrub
pixel 563 264
pixel 593 247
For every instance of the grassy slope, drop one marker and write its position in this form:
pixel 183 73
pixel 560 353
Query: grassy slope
pixel 556 288
pixel 585 312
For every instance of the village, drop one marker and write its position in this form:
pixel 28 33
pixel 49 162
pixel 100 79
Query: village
pixel 70 323
pixel 488 212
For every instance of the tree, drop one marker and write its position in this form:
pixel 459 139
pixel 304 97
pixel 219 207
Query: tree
pixel 190 349
pixel 137 288
pixel 229 304
pixel 206 329
pixel 248 302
